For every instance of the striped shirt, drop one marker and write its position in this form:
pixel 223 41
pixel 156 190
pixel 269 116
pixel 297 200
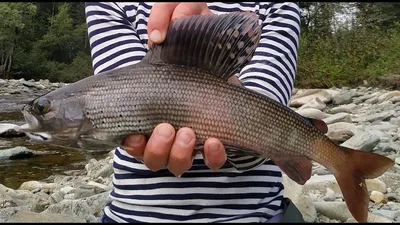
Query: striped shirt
pixel 245 189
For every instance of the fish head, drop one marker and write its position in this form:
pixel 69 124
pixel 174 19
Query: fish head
pixel 55 118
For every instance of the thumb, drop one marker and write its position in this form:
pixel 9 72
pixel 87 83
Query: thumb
pixel 159 19
pixel 189 9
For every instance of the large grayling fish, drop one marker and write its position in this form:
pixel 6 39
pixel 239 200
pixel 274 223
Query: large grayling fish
pixel 184 82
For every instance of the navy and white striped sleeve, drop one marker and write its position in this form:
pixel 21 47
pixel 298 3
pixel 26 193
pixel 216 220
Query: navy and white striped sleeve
pixel 274 64
pixel 113 40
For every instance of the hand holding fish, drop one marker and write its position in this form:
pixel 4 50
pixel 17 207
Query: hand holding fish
pixel 165 146
pixel 175 149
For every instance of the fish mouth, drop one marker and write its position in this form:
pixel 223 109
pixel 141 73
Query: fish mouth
pixel 32 127
pixel 32 124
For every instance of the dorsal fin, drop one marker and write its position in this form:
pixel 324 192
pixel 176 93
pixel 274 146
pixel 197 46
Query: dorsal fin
pixel 219 44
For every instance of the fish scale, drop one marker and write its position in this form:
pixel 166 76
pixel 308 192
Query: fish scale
pixel 183 81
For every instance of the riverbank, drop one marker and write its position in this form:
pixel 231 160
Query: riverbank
pixel 364 118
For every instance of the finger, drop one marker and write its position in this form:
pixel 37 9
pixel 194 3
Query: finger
pixel 159 18
pixel 135 145
pixel 158 147
pixel 181 155
pixel 234 80
pixel 188 9
pixel 214 154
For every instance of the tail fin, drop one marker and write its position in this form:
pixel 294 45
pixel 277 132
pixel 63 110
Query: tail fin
pixel 351 178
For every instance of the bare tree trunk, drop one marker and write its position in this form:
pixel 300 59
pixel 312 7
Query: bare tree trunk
pixel 10 59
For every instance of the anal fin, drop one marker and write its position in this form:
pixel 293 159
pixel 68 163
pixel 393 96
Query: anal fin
pixel 319 124
pixel 298 169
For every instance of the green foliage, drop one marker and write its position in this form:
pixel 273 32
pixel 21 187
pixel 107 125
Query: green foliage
pixel 367 51
pixel 48 40
pixel 53 46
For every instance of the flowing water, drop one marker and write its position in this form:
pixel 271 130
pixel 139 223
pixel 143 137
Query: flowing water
pixel 49 160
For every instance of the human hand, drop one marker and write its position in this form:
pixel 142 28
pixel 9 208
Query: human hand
pixel 174 149
pixel 163 12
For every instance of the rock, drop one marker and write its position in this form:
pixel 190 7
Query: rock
pixel 312 113
pixel 32 185
pixel 377 196
pixel 316 103
pixel 5 144
pixel 394 206
pixel 339 117
pixel 342 126
pixel 387 213
pixel 392 197
pixel 372 100
pixel 349 108
pixel 67 190
pixel 98 185
pixel 329 195
pixel 9 130
pixel 340 136
pixel 69 196
pixel 98 170
pixel 397 160
pixel 388 95
pixel 6 201
pixel 391 180
pixel 372 218
pixel 344 98
pixel 90 208
pixel 321 170
pixel 383 136
pixel 383 127
pixel 373 117
pixel 306 206
pixel 24 199
pixel 299 101
pixel 364 98
pixel 55 198
pixel 395 99
pixel 82 193
pixel 7 213
pixel 333 210
pixel 15 153
pixel 363 141
pixel 333 92
pixel 32 217
pixel 305 92
pixel 376 184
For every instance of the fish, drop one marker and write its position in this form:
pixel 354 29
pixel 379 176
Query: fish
pixel 183 82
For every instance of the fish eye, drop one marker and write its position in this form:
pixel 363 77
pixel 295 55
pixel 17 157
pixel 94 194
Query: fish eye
pixel 41 106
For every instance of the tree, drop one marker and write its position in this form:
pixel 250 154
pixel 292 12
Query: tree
pixel 13 18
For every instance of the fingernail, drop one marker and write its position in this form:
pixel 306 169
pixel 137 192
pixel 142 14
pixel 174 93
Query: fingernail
pixel 164 132
pixel 184 138
pixel 177 175
pixel 126 148
pixel 214 148
pixel 209 166
pixel 135 138
pixel 155 36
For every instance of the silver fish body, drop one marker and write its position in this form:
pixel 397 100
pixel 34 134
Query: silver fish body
pixel 135 99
